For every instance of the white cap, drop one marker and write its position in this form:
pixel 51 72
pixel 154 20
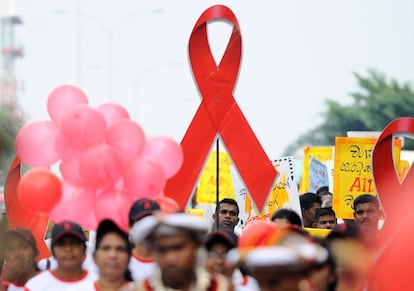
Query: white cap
pixel 168 224
pixel 299 256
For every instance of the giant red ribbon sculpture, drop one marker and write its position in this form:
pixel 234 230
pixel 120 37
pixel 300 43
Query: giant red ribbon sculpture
pixel 219 114
pixel 393 268
pixel 18 216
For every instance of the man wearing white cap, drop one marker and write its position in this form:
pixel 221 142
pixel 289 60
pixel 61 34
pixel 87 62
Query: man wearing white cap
pixel 177 244
pixel 280 258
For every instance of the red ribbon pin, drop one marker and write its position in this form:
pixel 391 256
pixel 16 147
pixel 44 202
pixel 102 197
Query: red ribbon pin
pixel 393 267
pixel 219 114
pixel 396 196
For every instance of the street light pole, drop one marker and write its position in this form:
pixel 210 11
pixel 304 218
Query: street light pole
pixel 108 33
pixel 78 44
pixel 145 73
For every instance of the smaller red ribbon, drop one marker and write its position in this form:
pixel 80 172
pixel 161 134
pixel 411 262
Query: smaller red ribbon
pixel 397 197
pixel 18 216
pixel 396 236
pixel 219 114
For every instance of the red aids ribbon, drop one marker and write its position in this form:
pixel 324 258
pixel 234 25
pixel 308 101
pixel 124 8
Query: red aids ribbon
pixel 396 196
pixel 219 113
pixel 18 216
pixel 397 235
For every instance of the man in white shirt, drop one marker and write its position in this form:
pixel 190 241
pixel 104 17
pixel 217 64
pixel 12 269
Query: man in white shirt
pixel 68 249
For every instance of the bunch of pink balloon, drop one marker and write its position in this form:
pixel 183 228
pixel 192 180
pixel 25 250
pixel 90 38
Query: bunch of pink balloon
pixel 106 161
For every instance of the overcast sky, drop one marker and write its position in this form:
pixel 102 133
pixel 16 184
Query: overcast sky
pixel 296 54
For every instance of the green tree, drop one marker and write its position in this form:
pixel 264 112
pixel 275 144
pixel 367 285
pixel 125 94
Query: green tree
pixel 377 102
pixel 11 121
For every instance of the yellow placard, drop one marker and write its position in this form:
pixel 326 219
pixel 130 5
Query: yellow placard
pixel 403 167
pixel 207 187
pixel 322 154
pixel 352 172
pixel 284 193
pixel 318 232
pixel 277 199
pixel 195 211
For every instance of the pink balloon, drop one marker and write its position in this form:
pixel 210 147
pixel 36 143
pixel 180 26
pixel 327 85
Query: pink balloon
pixel 69 167
pixel 165 151
pixel 115 205
pixel 75 204
pixel 100 166
pixel 62 99
pixel 90 222
pixel 112 112
pixel 65 149
pixel 127 138
pixel 83 126
pixel 35 144
pixel 144 178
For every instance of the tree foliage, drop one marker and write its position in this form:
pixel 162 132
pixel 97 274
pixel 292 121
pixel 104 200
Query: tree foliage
pixel 377 102
pixel 10 123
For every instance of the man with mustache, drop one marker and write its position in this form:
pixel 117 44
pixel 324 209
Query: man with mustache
pixel 367 214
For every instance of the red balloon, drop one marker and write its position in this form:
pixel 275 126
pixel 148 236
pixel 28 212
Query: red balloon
pixel 75 204
pixel 168 205
pixel 127 138
pixel 62 99
pixel 167 152
pixel 144 178
pixel 113 204
pixel 100 167
pixel 83 126
pixel 112 112
pixel 39 190
pixel 35 144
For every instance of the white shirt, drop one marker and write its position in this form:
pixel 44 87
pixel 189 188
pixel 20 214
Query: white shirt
pixel 243 282
pixel 141 268
pixel 91 286
pixel 49 281
pixel 13 287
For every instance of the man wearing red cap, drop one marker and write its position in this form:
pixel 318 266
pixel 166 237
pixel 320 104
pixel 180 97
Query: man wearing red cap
pixel 69 250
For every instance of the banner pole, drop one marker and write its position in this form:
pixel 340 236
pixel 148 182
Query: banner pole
pixel 217 182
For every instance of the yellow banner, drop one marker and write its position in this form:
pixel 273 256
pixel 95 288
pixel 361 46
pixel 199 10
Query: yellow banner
pixel 318 232
pixel 207 188
pixel 352 172
pixel 322 154
pixel 195 211
pixel 284 193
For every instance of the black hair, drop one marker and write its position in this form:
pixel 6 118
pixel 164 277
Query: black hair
pixel 108 226
pixel 322 189
pixel 228 201
pixel 366 198
pixel 324 211
pixel 307 200
pixel 291 216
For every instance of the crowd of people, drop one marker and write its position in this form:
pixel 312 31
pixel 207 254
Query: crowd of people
pixel 180 251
